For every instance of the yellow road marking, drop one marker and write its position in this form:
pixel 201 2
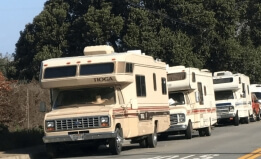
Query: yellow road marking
pixel 252 155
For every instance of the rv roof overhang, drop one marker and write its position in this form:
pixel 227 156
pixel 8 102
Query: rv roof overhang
pixel 91 80
pixel 87 81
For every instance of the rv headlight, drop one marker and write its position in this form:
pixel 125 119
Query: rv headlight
pixel 50 126
pixel 231 108
pixel 104 121
pixel 181 118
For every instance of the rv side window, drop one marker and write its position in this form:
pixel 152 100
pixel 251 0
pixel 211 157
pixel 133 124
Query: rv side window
pixel 239 79
pixel 201 101
pixel 129 67
pixel 205 90
pixel 243 90
pixel 176 76
pixel 154 82
pixel 140 86
pixel 164 85
pixel 247 89
pixel 93 69
pixel 222 80
pixel 60 72
pixel 193 77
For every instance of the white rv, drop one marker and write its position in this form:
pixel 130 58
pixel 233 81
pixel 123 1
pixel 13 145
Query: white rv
pixel 103 98
pixel 233 97
pixel 191 100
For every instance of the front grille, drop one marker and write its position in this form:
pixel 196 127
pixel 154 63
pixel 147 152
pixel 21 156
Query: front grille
pixel 77 123
pixel 223 110
pixel 173 119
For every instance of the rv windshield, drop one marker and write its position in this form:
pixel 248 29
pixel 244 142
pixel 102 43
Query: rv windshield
pixel 176 99
pixel 224 95
pixel 85 96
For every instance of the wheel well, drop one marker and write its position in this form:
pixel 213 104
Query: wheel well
pixel 156 125
pixel 118 126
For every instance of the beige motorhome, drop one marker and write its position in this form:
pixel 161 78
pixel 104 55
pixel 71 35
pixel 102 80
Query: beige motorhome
pixel 103 98
pixel 191 100
pixel 233 98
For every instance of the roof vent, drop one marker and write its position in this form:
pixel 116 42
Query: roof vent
pixel 96 50
pixel 135 52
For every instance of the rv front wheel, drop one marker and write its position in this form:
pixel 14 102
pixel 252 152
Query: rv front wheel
pixel 208 131
pixel 236 120
pixel 247 120
pixel 153 138
pixel 188 132
pixel 115 144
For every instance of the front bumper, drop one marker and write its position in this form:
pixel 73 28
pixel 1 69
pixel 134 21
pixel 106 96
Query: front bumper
pixel 177 128
pixel 225 116
pixel 79 137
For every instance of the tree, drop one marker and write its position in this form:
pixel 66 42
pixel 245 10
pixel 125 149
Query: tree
pixel 43 39
pixel 212 34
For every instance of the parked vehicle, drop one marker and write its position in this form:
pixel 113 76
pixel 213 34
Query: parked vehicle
pixel 255 106
pixel 256 89
pixel 233 97
pixel 103 98
pixel 191 100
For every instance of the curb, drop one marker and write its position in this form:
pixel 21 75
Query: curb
pixel 17 157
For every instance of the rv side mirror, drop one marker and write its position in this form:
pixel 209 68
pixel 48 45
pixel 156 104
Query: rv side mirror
pixel 42 107
pixel 242 95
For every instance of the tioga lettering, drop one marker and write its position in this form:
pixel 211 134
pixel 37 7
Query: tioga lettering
pixel 101 79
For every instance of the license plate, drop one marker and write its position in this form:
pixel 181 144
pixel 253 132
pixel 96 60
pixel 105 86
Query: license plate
pixel 76 137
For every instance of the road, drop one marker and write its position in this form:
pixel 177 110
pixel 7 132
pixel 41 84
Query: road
pixel 226 142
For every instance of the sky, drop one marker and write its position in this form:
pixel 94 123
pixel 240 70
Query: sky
pixel 14 15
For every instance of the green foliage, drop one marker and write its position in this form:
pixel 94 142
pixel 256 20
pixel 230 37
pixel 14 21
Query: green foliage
pixel 213 34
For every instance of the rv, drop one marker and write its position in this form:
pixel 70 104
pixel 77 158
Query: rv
pixel 255 90
pixel 233 97
pixel 104 98
pixel 191 101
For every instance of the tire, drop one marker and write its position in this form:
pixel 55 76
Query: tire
pixel 115 144
pixel 188 132
pixel 208 131
pixel 51 150
pixel 144 143
pixel 153 138
pixel 236 120
pixel 247 120
pixel 201 132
